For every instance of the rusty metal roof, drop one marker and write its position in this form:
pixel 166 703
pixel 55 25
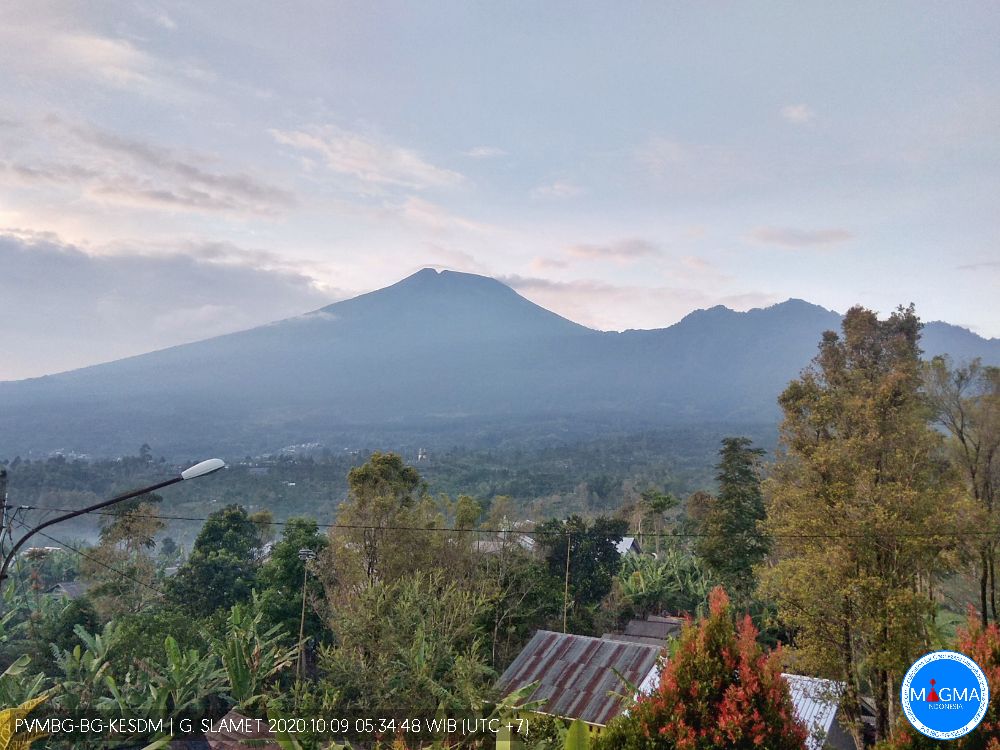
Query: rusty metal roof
pixel 575 673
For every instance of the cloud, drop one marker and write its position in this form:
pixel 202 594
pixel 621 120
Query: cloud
pixel 800 238
pixel 798 114
pixel 692 168
pixel 983 266
pixel 369 161
pixel 622 251
pixel 64 307
pixel 432 216
pixel 546 264
pixel 560 189
pixel 104 167
pixel 45 46
pixel 485 152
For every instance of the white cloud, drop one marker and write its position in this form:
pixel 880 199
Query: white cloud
pixel 800 238
pixel 64 307
pixel 485 152
pixel 798 114
pixel 435 217
pixel 557 190
pixel 626 250
pixel 106 168
pixel 370 161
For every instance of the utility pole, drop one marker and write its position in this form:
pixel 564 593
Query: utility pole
pixel 566 583
pixel 305 555
pixel 3 506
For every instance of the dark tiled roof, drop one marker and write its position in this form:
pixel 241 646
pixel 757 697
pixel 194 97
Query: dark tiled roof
pixel 653 629
pixel 575 673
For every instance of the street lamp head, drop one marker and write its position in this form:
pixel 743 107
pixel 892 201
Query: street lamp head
pixel 203 468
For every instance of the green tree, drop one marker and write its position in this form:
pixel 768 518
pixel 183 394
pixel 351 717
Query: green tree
pixel 121 568
pixel 281 578
pixel 593 557
pixel 654 506
pixel 966 402
pixel 222 567
pixel 411 643
pixel 373 542
pixel 862 512
pixel 719 690
pixel 732 540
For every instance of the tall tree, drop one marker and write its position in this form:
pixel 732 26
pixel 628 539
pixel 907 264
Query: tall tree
pixel 223 564
pixel 593 555
pixel 733 541
pixel 382 527
pixel 966 402
pixel 281 578
pixel 121 567
pixel 862 511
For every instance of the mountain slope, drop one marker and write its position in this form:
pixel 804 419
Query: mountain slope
pixel 439 351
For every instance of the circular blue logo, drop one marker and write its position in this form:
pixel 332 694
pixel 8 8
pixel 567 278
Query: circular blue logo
pixel 945 695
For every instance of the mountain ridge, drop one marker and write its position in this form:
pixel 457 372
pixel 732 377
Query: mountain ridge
pixel 428 352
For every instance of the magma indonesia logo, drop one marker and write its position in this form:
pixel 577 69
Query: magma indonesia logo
pixel 945 695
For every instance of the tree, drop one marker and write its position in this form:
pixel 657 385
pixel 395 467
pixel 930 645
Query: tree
pixel 281 577
pixel 372 542
pixel 223 563
pixel 966 402
pixel 654 504
pixel 593 555
pixel 411 644
pixel 719 689
pixel 121 566
pixel 862 511
pixel 732 540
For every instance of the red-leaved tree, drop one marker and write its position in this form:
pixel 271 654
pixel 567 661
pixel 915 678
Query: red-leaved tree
pixel 982 645
pixel 719 690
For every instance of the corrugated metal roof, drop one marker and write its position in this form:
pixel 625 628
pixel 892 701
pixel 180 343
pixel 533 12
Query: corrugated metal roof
pixel 816 702
pixel 653 629
pixel 576 673
pixel 661 642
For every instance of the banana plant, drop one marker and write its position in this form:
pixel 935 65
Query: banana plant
pixel 577 736
pixel 251 655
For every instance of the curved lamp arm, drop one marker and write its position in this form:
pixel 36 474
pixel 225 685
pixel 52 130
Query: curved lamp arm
pixel 198 470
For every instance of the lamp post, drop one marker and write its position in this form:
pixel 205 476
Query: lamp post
pixel 305 555
pixel 198 470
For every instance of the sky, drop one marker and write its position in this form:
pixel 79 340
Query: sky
pixel 173 171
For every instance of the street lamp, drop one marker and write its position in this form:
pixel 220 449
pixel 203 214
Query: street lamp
pixel 193 472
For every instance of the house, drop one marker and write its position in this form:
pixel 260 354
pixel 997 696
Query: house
pixel 628 546
pixel 69 589
pixel 578 676
pixel 655 630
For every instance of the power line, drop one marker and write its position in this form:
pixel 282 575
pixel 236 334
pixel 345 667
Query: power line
pixel 534 532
